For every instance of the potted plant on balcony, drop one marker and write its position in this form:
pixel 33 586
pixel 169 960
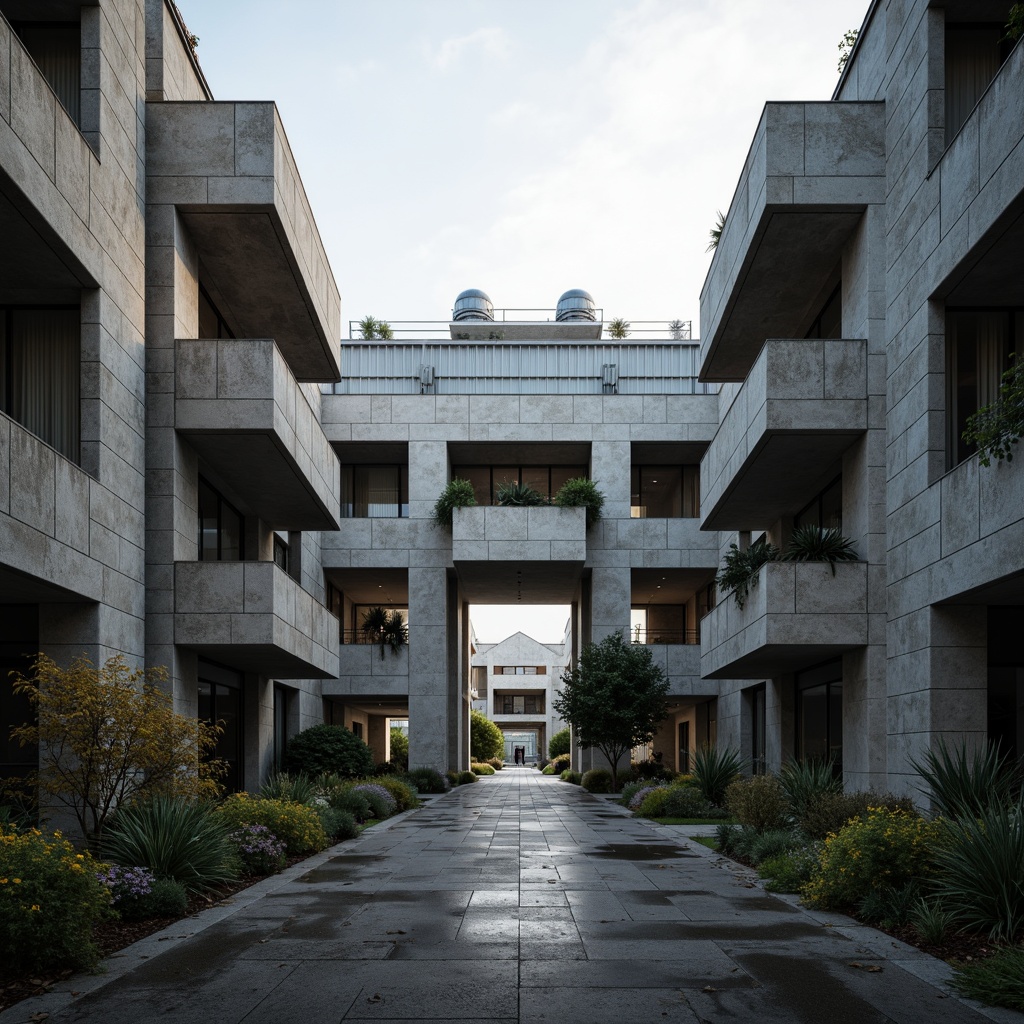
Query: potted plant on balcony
pixel 519 495
pixel 819 544
pixel 580 492
pixel 742 569
pixel 388 629
pixel 458 494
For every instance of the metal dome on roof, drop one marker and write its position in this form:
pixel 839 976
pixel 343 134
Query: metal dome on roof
pixel 576 304
pixel 473 304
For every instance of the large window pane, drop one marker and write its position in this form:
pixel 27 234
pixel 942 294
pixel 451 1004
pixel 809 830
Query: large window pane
pixel 376 491
pixel 973 56
pixel 56 47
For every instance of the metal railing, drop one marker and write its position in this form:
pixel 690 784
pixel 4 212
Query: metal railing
pixel 665 636
pixel 357 636
pixel 400 329
pixel 488 367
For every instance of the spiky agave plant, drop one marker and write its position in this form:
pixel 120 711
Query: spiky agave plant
pixel 819 544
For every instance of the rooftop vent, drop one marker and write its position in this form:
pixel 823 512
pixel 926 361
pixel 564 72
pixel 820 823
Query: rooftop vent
pixel 576 304
pixel 473 304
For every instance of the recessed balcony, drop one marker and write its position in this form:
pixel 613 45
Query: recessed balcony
pixel 796 615
pixel 245 414
pixel 802 405
pixel 812 170
pixel 229 171
pixel 254 617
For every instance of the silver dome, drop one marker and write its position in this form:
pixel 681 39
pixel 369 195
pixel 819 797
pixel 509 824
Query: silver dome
pixel 473 304
pixel 576 304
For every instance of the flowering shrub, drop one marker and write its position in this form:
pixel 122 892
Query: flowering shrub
pixel 403 794
pixel 137 893
pixel 259 850
pixel 296 825
pixel 759 802
pixel 640 795
pixel 382 803
pixel 50 898
pixel 884 848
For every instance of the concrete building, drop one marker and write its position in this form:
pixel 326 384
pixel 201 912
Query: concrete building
pixel 862 302
pixel 513 682
pixel 168 313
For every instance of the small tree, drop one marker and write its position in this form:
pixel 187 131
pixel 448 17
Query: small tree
pixel 560 743
pixel 614 698
pixel 108 735
pixel 399 748
pixel 618 328
pixel 486 740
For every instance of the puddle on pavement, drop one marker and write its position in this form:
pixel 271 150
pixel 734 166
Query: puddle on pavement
pixel 645 852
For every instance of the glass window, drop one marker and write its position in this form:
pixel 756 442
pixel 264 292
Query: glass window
pixel 974 54
pixel 56 48
pixel 819 714
pixel 486 480
pixel 40 367
pixel 479 477
pixel 211 323
pixel 829 321
pixel 374 492
pixel 220 701
pixel 280 725
pixel 281 552
pixel 220 527
pixel 978 347
pixel 665 492
pixel 757 730
pixel 825 509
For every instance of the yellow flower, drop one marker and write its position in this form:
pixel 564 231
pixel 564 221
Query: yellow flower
pixel 35 906
pixel 16 881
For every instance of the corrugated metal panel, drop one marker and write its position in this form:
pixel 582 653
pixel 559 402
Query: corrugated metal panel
pixel 502 368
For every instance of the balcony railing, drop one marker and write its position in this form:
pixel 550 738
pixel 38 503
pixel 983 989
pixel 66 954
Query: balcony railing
pixel 357 636
pixel 665 636
pixel 442 328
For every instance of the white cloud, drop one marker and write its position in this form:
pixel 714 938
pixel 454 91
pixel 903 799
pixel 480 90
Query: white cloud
pixel 492 41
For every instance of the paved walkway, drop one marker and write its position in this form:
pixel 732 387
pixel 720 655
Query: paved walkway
pixel 519 899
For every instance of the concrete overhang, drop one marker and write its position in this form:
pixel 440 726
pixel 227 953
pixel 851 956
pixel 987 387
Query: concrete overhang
pixel 811 171
pixel 244 413
pixel 254 617
pixel 797 614
pixel 802 405
pixel 504 555
pixel 228 169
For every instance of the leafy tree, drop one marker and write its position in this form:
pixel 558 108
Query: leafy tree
pixel 618 328
pixel 560 743
pixel 845 47
pixel 399 748
pixel 996 428
pixel 486 740
pixel 109 735
pixel 614 698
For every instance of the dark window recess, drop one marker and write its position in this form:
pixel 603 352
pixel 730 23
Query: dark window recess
pixel 978 347
pixel 221 533
pixel 220 701
pixel 711 731
pixel 521 705
pixel 486 480
pixel 282 553
pixel 40 366
pixel 211 323
pixel 825 509
pixel 357 729
pixel 1006 679
pixel 757 730
pixel 374 492
pixel 520 670
pixel 19 645
pixel 684 747
pixel 829 321
pixel 281 696
pixel 665 492
pixel 819 714
pixel 974 54
pixel 56 48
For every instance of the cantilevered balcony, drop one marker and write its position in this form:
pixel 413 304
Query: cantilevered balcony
pixel 229 171
pixel 254 617
pixel 796 615
pixel 532 554
pixel 802 405
pixel 812 170
pixel 245 414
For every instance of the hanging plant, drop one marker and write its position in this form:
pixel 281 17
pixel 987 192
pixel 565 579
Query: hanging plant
pixel 581 493
pixel 996 428
pixel 458 494
pixel 741 569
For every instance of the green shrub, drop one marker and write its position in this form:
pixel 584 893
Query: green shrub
pixel 329 749
pixel 889 906
pixel 804 781
pixel 828 812
pixel 382 803
pixel 751 845
pixel 630 789
pixel 726 837
pixel 714 769
pixel 819 544
pixel 884 848
pixel 356 804
pixel 963 785
pixel 790 871
pixel 741 569
pixel 174 838
pixel 296 825
pixel 931 920
pixel 580 492
pixel 759 802
pixel 686 802
pixel 168 898
pixel 997 980
pixel 481 769
pixel 399 750
pixel 650 770
pixel 452 779
pixel 428 780
pixel 514 494
pixel 980 865
pixel 496 763
pixel 547 770
pixel 485 738
pixel 338 823
pixel 403 795
pixel 650 804
pixel 560 743
pixel 560 762
pixel 465 778
pixel 457 494
pixel 136 893
pixel 50 898
pixel 597 780
pixel 298 788
pixel 575 778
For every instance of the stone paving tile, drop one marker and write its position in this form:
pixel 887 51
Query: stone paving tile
pixel 517 901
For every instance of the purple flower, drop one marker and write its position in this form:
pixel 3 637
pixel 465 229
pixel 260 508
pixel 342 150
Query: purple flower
pixel 127 883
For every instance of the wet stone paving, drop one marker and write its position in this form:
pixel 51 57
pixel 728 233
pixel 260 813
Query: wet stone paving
pixel 520 899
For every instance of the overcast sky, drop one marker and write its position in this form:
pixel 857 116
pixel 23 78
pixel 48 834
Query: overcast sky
pixel 520 146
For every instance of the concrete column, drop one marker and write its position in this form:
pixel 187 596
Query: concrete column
pixel 378 738
pixel 429 714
